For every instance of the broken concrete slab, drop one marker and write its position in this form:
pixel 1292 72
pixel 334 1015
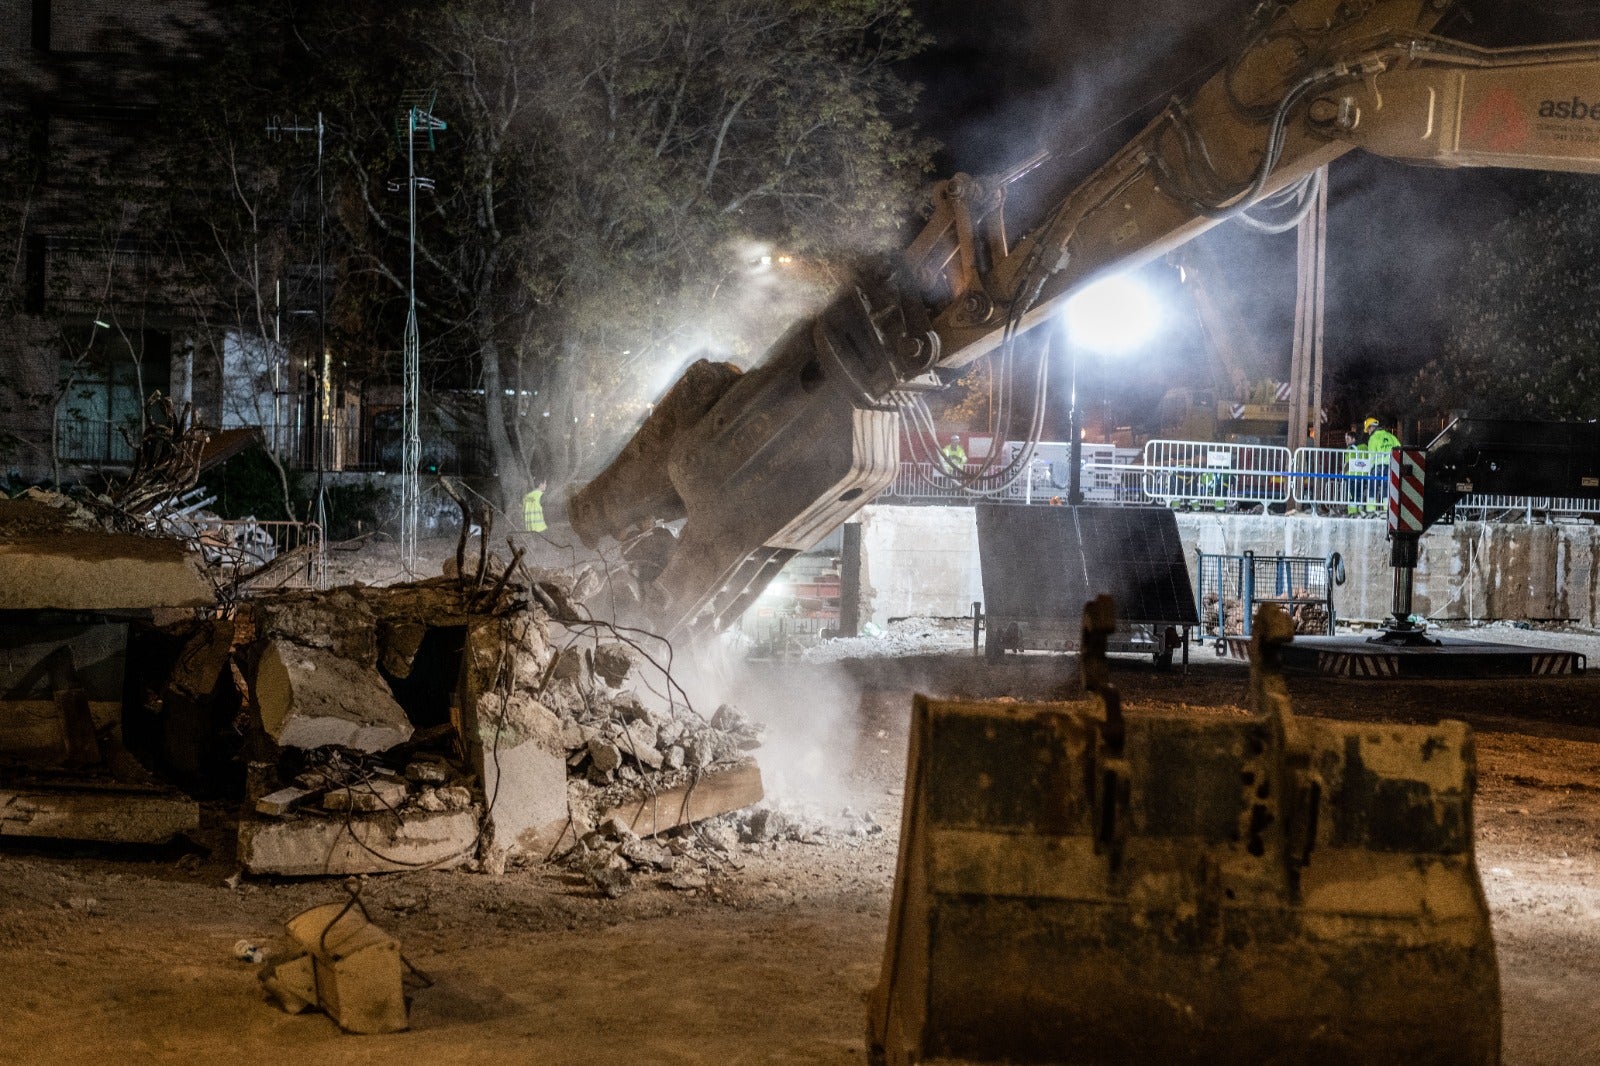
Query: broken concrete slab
pixel 358 844
pixel 374 794
pixel 110 815
pixel 526 789
pixel 339 621
pixel 310 697
pixel 719 792
pixel 399 642
pixel 83 571
pixel 282 801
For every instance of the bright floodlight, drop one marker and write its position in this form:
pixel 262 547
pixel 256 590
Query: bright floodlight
pixel 1114 315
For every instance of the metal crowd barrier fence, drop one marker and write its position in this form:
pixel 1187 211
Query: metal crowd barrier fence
pixel 1204 475
pixel 243 547
pixel 1207 474
pixel 1573 508
pixel 1338 477
pixel 1498 508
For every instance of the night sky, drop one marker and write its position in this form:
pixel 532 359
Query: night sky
pixel 1028 73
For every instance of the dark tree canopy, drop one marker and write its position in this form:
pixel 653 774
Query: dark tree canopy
pixel 613 179
pixel 1524 320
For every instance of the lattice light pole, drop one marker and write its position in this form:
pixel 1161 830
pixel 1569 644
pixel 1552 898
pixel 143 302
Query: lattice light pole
pixel 418 120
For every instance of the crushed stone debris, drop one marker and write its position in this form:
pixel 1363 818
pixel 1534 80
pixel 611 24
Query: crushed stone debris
pixel 905 636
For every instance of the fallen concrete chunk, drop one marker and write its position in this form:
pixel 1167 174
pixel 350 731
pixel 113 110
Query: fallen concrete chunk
pixel 203 660
pixel 454 797
pixel 570 665
pixel 377 794
pixel 526 786
pixel 645 853
pixel 573 736
pixel 282 801
pixel 612 662
pixel 399 643
pixel 640 743
pixel 428 771
pixel 119 816
pixel 292 984
pixel 310 697
pixel 359 844
pixel 605 755
pixel 358 974
pixel 712 794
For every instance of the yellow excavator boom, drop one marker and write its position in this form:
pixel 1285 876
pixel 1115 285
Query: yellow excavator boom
pixel 763 464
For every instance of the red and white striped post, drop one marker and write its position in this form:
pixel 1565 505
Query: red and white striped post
pixel 1407 470
pixel 1407 478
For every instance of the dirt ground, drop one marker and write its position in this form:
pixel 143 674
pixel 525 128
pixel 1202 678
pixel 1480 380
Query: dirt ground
pixel 129 957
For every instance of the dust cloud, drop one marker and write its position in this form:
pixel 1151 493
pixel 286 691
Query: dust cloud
pixel 808 711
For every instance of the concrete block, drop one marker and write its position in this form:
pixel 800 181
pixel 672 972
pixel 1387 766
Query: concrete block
pixel 721 792
pixel 112 815
pixel 357 968
pixel 81 571
pixel 359 844
pixel 640 743
pixel 282 801
pixel 292 984
pixel 310 697
pixel 378 794
pixel 526 788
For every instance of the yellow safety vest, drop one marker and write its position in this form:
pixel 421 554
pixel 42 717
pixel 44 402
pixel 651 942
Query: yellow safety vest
pixel 533 511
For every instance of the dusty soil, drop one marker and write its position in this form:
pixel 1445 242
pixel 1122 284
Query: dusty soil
pixel 128 957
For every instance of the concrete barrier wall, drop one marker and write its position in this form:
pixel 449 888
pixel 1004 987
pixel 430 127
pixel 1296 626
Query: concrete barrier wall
pixel 924 561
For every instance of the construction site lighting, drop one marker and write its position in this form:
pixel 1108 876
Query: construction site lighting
pixel 1114 315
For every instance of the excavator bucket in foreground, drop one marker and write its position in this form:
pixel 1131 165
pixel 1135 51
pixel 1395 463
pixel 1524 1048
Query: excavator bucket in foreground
pixel 1080 886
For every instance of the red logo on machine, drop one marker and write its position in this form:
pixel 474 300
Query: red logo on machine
pixel 1496 123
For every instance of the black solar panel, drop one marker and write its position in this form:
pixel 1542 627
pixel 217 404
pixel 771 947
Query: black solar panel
pixel 1045 563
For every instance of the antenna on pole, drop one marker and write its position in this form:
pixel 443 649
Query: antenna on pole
pixel 416 129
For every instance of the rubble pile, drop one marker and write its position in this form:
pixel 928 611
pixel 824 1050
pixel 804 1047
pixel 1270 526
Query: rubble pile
pixel 430 725
pixel 342 779
pixel 467 719
pixel 645 768
pixel 900 638
pixel 613 859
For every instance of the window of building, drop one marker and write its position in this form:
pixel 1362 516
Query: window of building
pixel 107 375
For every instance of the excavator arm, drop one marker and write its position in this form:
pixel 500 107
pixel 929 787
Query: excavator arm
pixel 761 465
